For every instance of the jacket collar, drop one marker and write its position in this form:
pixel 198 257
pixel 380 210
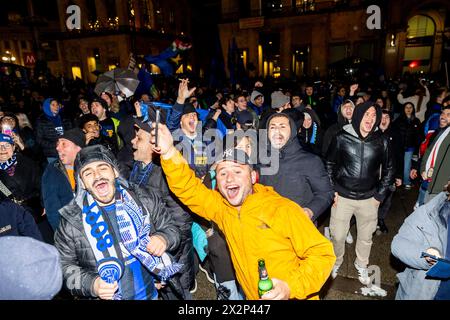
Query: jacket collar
pixel 351 130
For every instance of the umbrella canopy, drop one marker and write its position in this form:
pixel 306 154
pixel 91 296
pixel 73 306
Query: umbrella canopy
pixel 117 80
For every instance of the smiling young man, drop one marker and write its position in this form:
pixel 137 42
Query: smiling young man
pixel 58 181
pixel 354 159
pixel 147 173
pixel 257 223
pixel 301 176
pixel 113 237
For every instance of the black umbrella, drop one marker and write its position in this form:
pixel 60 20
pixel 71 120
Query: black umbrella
pixel 117 81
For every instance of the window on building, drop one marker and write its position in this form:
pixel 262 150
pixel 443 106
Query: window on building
pixel 365 50
pixel 272 7
pixel 7 45
pixel 111 11
pixel 419 44
pixel 244 9
pixel 91 11
pixel 49 11
pixel 300 57
pixel 24 45
pixel 76 72
pixel 337 52
pixel 147 13
pixel 304 5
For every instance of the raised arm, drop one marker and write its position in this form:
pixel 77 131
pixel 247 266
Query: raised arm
pixel 183 183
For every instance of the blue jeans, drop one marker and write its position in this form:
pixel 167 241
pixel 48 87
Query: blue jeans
pixel 407 167
pixel 422 192
pixel 235 291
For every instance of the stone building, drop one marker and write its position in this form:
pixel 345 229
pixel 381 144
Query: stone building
pixel 295 37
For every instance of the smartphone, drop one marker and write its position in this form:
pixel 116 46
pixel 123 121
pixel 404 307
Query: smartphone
pixel 158 115
pixel 7 130
pixel 424 254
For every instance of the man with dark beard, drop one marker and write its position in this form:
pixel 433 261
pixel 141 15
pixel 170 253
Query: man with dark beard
pixel 114 236
pixel 354 159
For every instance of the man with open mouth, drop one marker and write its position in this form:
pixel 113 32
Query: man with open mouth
pixel 114 236
pixel 257 223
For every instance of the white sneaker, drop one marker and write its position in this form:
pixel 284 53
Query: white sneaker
pixel 326 233
pixel 206 274
pixel 335 271
pixel 363 274
pixel 194 290
pixel 349 238
pixel 416 206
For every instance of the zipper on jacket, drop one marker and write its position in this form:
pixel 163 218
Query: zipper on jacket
pixel 362 159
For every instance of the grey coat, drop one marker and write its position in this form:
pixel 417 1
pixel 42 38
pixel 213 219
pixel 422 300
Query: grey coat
pixel 77 258
pixel 424 228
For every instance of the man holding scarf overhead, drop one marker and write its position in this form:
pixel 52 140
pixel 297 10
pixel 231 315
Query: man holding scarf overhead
pixel 113 236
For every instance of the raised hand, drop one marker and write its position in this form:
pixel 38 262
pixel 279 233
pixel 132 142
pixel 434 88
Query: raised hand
pixel 183 91
pixel 165 141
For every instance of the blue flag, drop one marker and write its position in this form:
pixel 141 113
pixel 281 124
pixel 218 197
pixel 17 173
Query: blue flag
pixel 170 59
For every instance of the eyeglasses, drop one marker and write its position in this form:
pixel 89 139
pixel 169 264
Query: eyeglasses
pixel 5 146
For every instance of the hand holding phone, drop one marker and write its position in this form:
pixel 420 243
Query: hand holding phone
pixel 6 129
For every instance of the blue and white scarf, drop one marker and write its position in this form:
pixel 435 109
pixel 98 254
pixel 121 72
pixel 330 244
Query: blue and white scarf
pixel 8 163
pixel 134 230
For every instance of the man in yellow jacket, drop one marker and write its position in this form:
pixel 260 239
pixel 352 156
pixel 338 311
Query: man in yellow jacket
pixel 257 223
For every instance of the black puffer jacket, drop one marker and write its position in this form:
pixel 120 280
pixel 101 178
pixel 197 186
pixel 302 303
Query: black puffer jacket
pixel 301 176
pixel 47 136
pixel 353 163
pixel 181 218
pixel 77 257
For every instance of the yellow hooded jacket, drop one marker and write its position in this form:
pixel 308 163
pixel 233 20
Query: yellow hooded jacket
pixel 268 226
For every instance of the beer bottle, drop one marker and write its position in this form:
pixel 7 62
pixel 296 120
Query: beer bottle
pixel 265 283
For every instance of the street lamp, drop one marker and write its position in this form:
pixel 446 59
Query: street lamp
pixel 8 57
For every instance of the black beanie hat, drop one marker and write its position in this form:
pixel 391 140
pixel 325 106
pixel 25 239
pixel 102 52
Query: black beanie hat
pixel 87 118
pixel 75 135
pixel 188 108
pixel 94 153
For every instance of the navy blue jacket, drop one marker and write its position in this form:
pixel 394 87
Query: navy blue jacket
pixel 16 221
pixel 56 191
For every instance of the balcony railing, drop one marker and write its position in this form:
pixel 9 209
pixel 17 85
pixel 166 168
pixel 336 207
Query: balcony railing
pixel 289 11
pixel 106 31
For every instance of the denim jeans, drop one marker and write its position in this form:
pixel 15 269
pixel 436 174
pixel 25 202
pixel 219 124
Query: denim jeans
pixel 422 192
pixel 235 292
pixel 407 167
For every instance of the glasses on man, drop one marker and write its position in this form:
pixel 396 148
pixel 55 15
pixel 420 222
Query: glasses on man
pixel 5 146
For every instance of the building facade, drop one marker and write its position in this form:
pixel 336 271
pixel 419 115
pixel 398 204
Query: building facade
pixel 109 31
pixel 297 37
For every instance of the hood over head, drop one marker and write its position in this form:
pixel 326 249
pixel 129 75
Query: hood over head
pixel 341 120
pixel 46 107
pixel 358 115
pixel 292 146
pixel 254 95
